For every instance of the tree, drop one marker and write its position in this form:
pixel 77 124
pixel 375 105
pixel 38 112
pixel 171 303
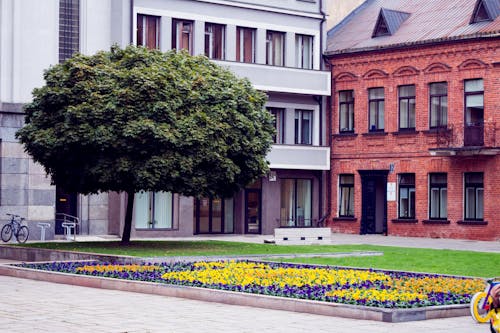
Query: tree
pixel 133 119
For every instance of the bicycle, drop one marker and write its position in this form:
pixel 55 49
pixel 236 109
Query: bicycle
pixel 15 227
pixel 485 305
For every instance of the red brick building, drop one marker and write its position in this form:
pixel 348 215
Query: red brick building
pixel 416 119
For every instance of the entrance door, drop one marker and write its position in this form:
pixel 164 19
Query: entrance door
pixel 373 202
pixel 252 211
pixel 65 204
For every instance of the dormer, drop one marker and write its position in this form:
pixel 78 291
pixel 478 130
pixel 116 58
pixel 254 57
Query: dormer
pixel 388 22
pixel 485 10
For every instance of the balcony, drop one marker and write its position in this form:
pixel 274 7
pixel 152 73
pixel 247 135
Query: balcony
pixel 467 140
pixel 299 157
pixel 282 79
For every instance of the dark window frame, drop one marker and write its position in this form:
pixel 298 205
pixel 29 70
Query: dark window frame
pixel 242 42
pixel 300 42
pixel 151 213
pixel 299 136
pixel 440 124
pixel 433 185
pixel 409 99
pixel 379 107
pixel 349 103
pixel 215 41
pixel 406 183
pixel 271 48
pixel 210 218
pixel 295 193
pixel 343 184
pixel 279 124
pixel 476 186
pixel 175 22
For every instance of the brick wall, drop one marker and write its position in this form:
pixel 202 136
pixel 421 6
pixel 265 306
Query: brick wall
pixel 410 153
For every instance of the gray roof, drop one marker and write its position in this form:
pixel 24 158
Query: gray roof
pixel 428 21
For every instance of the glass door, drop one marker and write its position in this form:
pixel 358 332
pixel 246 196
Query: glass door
pixel 252 211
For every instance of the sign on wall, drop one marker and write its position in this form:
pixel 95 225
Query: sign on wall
pixel 391 191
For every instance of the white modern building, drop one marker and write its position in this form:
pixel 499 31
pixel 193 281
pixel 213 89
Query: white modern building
pixel 276 44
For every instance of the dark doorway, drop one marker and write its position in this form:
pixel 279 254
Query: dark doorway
pixel 373 201
pixel 65 204
pixel 214 216
pixel 252 211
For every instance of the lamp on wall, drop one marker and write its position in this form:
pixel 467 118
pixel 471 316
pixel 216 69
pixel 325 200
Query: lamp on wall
pixel 271 176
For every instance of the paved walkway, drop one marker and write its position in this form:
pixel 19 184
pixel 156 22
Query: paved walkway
pixel 34 306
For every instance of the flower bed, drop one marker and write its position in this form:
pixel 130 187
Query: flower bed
pixel 376 288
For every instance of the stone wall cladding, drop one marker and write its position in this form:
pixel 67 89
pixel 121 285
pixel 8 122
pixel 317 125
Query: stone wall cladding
pixel 409 153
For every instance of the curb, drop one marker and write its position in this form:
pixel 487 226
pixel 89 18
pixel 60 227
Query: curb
pixel 243 299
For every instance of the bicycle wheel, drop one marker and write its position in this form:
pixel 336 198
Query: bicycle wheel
pixel 479 315
pixel 22 234
pixel 6 232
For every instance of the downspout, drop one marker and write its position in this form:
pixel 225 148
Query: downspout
pixel 131 21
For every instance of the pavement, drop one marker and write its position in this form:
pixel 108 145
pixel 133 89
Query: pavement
pixel 36 306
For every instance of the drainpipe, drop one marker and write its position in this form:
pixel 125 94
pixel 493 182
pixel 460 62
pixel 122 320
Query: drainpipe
pixel 131 22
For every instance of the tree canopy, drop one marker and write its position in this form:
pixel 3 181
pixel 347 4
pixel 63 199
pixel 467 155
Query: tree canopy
pixel 135 120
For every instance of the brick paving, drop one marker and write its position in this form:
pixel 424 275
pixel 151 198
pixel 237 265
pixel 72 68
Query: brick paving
pixel 36 306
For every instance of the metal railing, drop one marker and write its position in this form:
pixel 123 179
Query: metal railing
pixel 301 222
pixel 69 223
pixel 463 135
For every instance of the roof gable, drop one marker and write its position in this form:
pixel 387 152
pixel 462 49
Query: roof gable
pixel 388 22
pixel 485 10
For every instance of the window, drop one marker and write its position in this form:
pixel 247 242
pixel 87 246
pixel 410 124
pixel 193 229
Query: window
pixel 304 47
pixel 346 107
pixel 474 102
pixel 303 127
pixel 215 39
pixel 474 195
pixel 153 210
pixel 438 196
pixel 438 99
pixel 214 215
pixel 346 195
pixel 376 109
pixel 474 113
pixel 406 107
pixel 406 196
pixel 182 35
pixel 148 31
pixel 296 202
pixel 69 28
pixel 278 114
pixel 275 48
pixel 245 44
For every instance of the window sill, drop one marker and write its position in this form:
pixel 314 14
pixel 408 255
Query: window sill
pixel 345 219
pixel 155 229
pixel 434 131
pixel 375 134
pixel 345 135
pixel 436 221
pixel 472 222
pixel 400 220
pixel 405 133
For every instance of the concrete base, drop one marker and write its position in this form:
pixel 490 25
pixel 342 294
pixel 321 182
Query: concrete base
pixel 235 298
pixel 302 236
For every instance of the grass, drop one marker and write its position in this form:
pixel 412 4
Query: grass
pixel 466 263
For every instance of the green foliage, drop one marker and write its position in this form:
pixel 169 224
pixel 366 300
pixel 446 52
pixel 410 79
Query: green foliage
pixel 136 119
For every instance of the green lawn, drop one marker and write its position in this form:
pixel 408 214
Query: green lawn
pixel 396 258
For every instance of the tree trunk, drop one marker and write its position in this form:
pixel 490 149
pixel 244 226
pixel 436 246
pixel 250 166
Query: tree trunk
pixel 128 219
